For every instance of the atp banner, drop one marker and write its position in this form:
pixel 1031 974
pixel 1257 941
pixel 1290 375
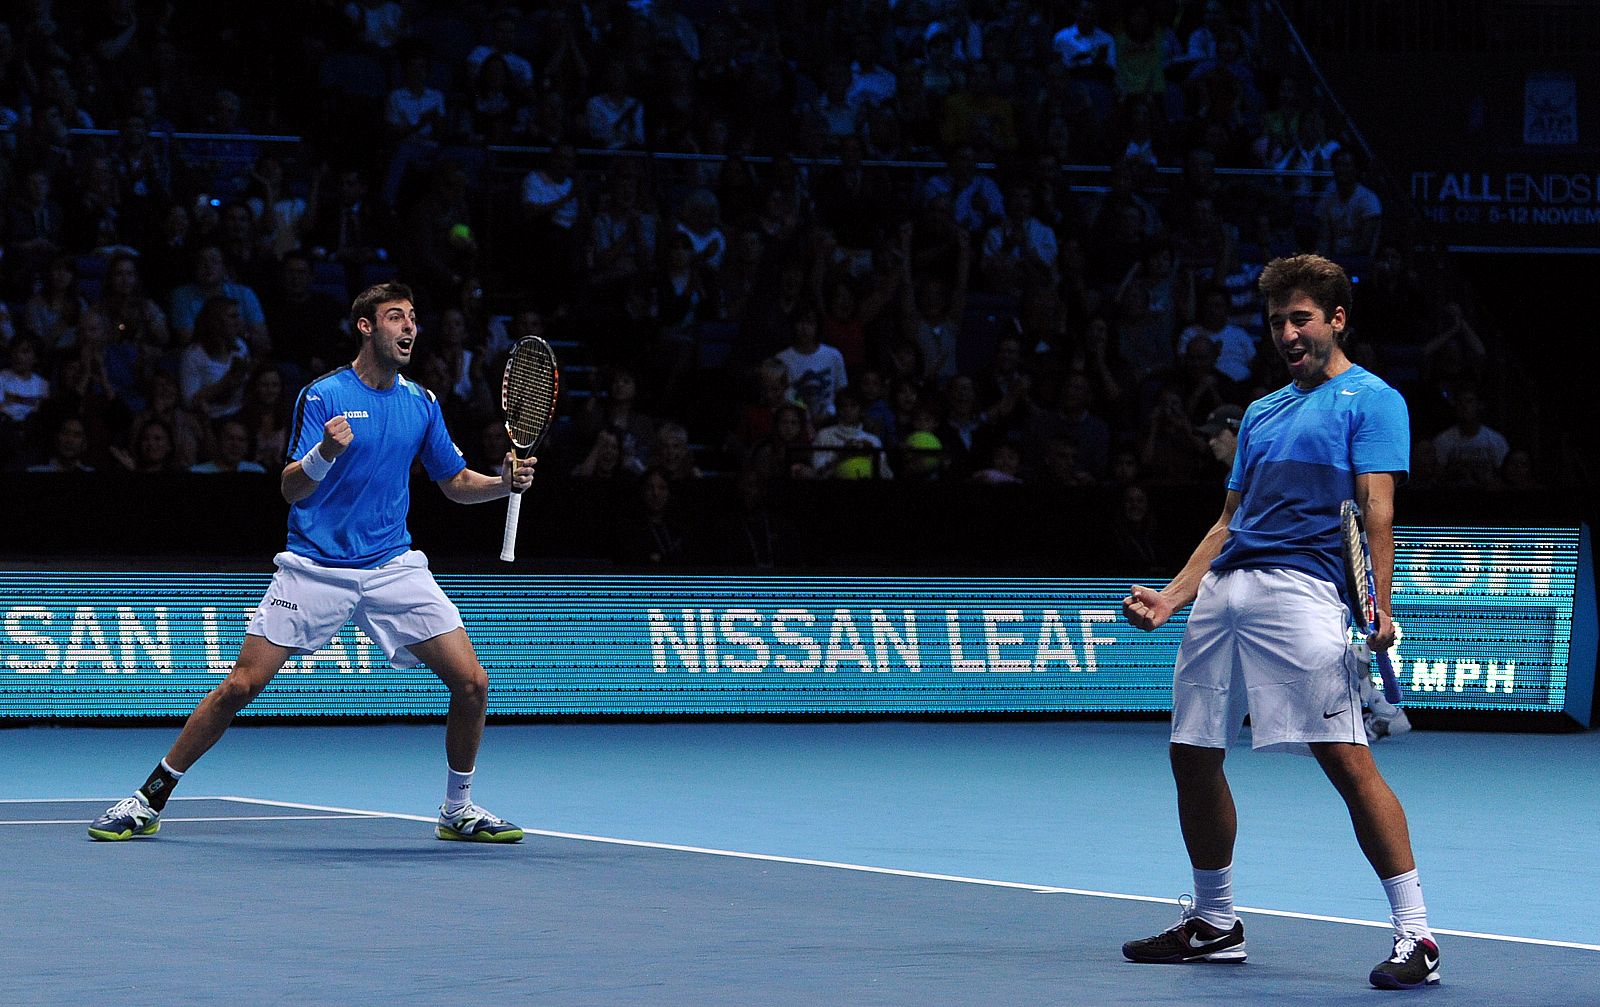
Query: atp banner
pixel 1493 619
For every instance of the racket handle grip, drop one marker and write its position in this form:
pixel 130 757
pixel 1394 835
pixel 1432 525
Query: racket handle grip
pixel 508 545
pixel 1391 685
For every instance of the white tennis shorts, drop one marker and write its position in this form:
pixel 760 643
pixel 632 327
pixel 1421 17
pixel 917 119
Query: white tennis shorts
pixel 1273 643
pixel 396 605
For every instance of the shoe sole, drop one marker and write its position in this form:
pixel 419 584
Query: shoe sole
pixel 1235 955
pixel 460 837
pixel 1385 981
pixel 102 836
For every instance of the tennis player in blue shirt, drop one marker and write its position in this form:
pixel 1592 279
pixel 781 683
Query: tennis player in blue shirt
pixel 1269 631
pixel 349 556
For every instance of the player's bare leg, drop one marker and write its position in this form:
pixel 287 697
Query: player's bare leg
pixel 453 659
pixel 258 661
pixel 1379 820
pixel 1380 824
pixel 1208 929
pixel 140 814
pixel 1205 805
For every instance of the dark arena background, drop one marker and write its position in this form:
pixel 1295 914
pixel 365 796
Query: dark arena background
pixel 897 341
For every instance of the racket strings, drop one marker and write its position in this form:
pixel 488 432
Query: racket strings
pixel 529 394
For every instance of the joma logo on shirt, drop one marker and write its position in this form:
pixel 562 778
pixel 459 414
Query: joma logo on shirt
pixel 355 414
pixel 281 603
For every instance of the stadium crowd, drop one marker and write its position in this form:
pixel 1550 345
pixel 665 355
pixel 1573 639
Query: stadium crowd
pixel 938 240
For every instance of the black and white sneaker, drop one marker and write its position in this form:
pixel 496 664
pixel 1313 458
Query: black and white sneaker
pixel 1414 964
pixel 129 818
pixel 1192 940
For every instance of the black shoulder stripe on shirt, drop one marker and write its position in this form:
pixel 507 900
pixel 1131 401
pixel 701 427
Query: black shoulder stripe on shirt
pixel 300 412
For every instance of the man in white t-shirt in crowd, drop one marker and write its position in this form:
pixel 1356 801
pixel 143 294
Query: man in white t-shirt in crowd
pixel 502 42
pixel 1348 218
pixel 414 116
pixel 1469 453
pixel 1083 45
pixel 614 117
pixel 1236 348
pixel 22 387
pixel 848 441
pixel 816 370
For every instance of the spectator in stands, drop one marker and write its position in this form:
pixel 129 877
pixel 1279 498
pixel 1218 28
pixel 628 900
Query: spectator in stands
pixel 1133 534
pixel 266 416
pixel 845 449
pixel 615 118
pixel 1236 348
pixel 1171 451
pixel 652 535
pixel 622 235
pixel 617 411
pixel 154 448
pixel 1019 251
pixel 246 247
pixel 603 460
pixel 699 219
pixel 494 110
pixel 1085 48
pixel 1470 453
pixel 1350 216
pixel 963 430
pixel 415 118
pixel 22 389
pixel 213 368
pixel 135 317
pixel 144 177
pixel 1144 49
pixel 232 450
pixel 786 452
pixel 975 199
pixel 1517 473
pixel 550 209
pixel 379 24
pixel 931 318
pixel 70 444
pixel 35 223
pixel 816 370
pixel 673 455
pixel 501 46
pixel 52 312
pixel 346 226
pixel 308 323
pixel 1221 431
pixel 1005 466
pixel 188 436
pixel 978 114
pixel 211 281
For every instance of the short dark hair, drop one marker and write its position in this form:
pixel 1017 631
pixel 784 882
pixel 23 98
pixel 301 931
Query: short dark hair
pixel 366 302
pixel 1323 280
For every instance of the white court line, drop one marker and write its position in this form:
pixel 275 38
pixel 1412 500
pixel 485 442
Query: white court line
pixel 1038 889
pixel 238 818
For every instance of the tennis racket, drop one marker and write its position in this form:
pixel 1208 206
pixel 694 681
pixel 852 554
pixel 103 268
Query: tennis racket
pixel 528 396
pixel 1360 591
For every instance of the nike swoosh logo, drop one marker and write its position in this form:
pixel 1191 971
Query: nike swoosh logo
pixel 1198 945
pixel 1330 716
pixel 1348 392
pixel 1430 963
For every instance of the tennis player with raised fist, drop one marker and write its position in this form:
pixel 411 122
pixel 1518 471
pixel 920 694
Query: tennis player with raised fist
pixel 347 478
pixel 1269 632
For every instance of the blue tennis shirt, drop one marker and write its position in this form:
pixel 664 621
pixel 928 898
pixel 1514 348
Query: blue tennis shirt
pixel 357 516
pixel 1298 458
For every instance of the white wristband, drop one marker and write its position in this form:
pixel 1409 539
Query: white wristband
pixel 314 465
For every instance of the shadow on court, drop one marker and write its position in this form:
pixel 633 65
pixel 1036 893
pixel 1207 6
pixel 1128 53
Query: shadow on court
pixel 286 906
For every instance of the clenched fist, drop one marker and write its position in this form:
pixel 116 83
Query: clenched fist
pixel 336 436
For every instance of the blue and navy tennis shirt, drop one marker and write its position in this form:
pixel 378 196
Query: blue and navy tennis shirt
pixel 357 516
pixel 1298 457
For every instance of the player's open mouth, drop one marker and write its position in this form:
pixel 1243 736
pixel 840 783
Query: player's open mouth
pixel 403 345
pixel 1294 354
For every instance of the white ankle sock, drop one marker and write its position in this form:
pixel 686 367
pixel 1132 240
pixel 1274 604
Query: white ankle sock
pixel 1213 897
pixel 458 790
pixel 1406 909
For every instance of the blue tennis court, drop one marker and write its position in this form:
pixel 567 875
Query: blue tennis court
pixel 773 863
